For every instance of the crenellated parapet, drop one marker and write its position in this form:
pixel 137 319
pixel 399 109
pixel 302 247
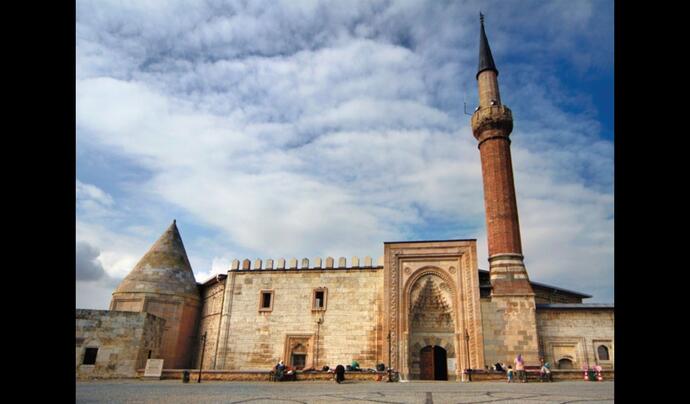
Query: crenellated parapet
pixel 327 264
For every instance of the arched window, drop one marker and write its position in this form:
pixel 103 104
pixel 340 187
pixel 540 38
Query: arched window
pixel 603 352
pixel 565 364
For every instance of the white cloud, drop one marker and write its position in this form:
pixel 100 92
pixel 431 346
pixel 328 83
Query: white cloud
pixel 318 129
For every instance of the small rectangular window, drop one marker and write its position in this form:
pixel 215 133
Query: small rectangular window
pixel 319 299
pixel 266 300
pixel 90 356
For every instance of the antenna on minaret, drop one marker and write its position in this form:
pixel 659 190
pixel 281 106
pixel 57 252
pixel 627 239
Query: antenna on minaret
pixel 464 100
pixel 464 103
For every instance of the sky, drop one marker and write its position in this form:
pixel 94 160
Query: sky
pixel 292 129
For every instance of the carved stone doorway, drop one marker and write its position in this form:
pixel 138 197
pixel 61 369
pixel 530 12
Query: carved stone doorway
pixel 299 350
pixel 433 363
pixel 431 298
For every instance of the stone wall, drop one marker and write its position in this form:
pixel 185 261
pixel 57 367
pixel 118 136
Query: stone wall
pixel 251 339
pixel 507 322
pixel 575 334
pixel 212 303
pixel 265 376
pixel 181 315
pixel 123 339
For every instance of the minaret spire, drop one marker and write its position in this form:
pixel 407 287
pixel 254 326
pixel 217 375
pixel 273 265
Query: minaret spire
pixel 486 60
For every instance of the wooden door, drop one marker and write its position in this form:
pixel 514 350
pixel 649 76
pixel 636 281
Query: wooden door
pixel 426 363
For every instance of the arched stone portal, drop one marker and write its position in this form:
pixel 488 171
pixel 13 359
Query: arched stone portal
pixel 432 327
pixel 441 276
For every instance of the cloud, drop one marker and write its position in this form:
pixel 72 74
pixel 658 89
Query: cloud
pixel 88 266
pixel 310 129
pixel 92 201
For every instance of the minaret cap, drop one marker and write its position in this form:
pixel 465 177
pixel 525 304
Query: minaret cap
pixel 486 61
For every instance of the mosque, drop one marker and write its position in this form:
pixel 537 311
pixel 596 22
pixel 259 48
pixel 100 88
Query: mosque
pixel 424 308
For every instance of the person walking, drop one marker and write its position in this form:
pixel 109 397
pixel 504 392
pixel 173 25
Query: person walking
pixel 509 372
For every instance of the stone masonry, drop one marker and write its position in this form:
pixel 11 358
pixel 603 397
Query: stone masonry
pixel 576 334
pixel 252 339
pixel 125 340
pixel 162 283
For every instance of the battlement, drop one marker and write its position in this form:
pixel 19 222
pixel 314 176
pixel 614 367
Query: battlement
pixel 293 264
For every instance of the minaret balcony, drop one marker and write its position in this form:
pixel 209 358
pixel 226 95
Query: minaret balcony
pixel 496 117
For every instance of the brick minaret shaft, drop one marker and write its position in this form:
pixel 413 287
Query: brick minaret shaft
pixel 492 124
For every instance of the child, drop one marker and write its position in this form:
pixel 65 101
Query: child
pixel 510 374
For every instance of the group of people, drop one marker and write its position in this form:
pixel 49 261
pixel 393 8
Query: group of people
pixel 281 371
pixel 339 371
pixel 519 371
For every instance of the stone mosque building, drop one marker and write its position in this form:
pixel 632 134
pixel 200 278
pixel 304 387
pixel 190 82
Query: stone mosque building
pixel 424 307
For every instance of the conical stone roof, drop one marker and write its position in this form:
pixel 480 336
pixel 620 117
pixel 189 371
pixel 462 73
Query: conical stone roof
pixel 164 269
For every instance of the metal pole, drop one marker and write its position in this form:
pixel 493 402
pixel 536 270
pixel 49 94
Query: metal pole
pixel 201 363
pixel 389 357
pixel 318 328
pixel 467 349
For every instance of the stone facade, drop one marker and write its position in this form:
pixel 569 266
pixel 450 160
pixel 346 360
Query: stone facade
pixel 245 336
pixel 507 322
pixel 124 341
pixel 576 335
pixel 428 294
pixel 213 295
pixel 452 264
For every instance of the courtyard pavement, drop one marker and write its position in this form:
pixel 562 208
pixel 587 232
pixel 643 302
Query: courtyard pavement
pixel 422 392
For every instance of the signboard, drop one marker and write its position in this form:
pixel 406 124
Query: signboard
pixel 451 365
pixel 154 369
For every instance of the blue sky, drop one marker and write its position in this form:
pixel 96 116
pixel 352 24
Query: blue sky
pixel 274 129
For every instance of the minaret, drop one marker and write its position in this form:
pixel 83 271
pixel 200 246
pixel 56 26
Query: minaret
pixel 162 283
pixel 511 292
pixel 492 124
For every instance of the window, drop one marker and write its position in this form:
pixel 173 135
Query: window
pixel 603 353
pixel 266 300
pixel 565 364
pixel 319 299
pixel 90 356
pixel 298 360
